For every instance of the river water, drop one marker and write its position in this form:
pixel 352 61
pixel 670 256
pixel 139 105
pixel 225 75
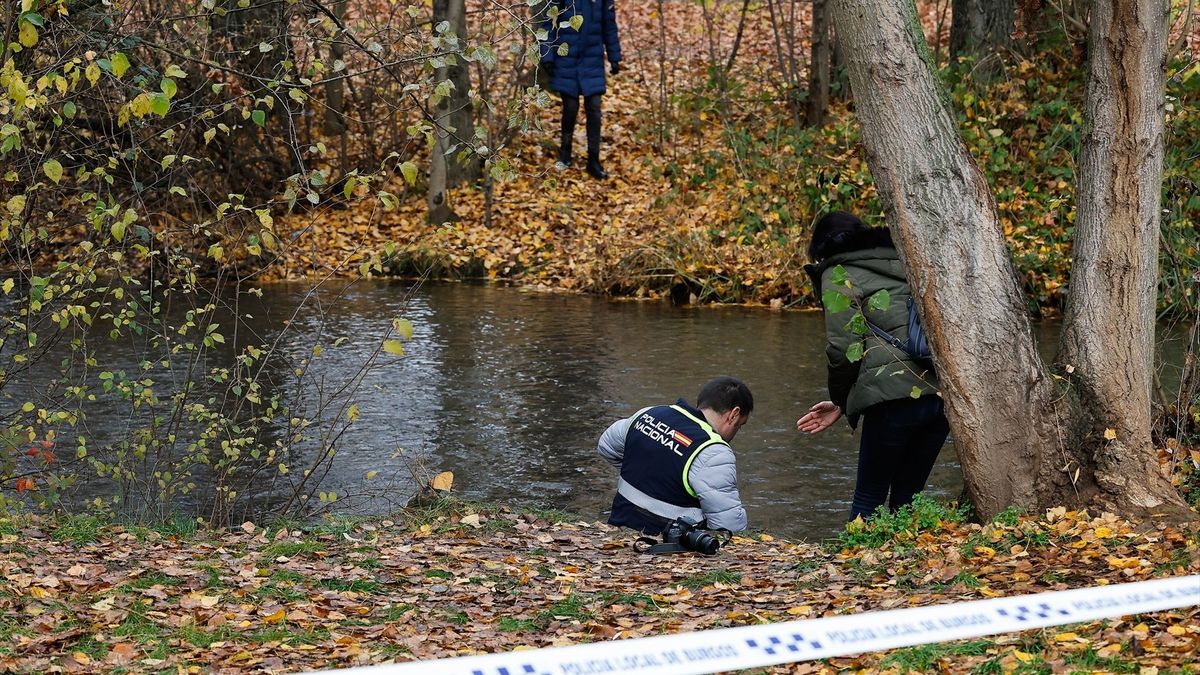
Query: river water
pixel 510 389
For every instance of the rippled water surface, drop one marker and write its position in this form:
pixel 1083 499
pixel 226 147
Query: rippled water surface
pixel 510 390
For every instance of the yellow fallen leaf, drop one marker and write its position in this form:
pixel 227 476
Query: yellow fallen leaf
pixel 802 609
pixel 209 601
pixel 442 481
pixel 1110 435
pixel 985 551
pixel 472 520
pixel 81 658
pixel 38 592
pixel 1066 637
pixel 103 605
pixel 1103 533
pixel 276 617
pixel 1176 630
pixel 1022 656
pixel 765 537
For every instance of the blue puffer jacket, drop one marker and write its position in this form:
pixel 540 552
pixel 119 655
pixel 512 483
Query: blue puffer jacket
pixel 581 71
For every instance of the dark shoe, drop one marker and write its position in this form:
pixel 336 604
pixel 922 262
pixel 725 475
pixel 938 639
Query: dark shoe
pixel 595 170
pixel 564 158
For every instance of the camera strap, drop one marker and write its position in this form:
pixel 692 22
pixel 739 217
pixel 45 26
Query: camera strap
pixel 650 545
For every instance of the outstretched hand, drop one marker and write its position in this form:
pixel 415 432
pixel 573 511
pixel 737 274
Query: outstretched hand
pixel 819 417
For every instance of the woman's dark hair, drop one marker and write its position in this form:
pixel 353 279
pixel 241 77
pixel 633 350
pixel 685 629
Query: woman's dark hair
pixel 724 394
pixel 841 232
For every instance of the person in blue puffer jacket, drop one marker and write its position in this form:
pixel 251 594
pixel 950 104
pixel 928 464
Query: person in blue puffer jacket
pixel 573 58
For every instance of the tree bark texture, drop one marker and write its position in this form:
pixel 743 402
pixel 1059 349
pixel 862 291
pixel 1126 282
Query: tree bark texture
pixel 983 29
pixel 943 217
pixel 1108 333
pixel 820 63
pixel 454 127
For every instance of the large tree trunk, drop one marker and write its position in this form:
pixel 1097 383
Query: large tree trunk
pixel 452 117
pixel 820 63
pixel 983 29
pixel 1108 333
pixel 1002 408
pixel 943 217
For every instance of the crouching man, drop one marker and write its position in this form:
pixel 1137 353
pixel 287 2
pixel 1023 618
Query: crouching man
pixel 676 461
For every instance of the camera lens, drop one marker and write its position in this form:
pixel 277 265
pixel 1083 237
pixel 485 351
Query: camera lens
pixel 701 541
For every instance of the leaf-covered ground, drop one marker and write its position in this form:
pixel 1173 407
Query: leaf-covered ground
pixel 455 579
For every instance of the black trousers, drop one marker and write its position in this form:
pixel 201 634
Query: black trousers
pixel 570 112
pixel 900 443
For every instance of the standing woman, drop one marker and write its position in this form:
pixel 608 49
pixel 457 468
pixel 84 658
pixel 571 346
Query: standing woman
pixel 580 71
pixel 903 418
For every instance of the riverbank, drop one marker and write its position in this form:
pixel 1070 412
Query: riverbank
pixel 713 195
pixel 455 578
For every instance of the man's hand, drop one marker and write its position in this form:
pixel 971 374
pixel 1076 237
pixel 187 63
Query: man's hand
pixel 819 417
pixel 614 67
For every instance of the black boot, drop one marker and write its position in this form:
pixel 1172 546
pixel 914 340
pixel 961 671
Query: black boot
pixel 570 111
pixel 594 169
pixel 591 107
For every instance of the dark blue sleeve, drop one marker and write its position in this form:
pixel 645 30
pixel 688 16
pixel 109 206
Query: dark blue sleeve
pixel 612 42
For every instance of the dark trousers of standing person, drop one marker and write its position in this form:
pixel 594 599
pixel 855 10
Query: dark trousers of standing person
pixel 570 112
pixel 900 442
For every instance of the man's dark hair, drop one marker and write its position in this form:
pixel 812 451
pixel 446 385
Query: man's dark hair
pixel 840 232
pixel 724 394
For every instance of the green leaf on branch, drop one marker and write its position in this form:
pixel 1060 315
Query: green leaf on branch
pixel 835 302
pixel 160 104
pixel 880 300
pixel 259 117
pixel 404 327
pixel 120 64
pixel 858 324
pixel 854 352
pixel 409 171
pixel 53 170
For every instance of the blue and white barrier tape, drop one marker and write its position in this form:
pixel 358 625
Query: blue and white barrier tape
pixel 772 644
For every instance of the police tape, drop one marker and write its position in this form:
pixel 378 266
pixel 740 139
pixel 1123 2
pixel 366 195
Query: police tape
pixel 725 649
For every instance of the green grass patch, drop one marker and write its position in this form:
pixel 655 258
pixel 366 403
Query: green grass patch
pixel 154 579
pixel 508 624
pixel 138 626
pixel 287 576
pixel 715 577
pixel 198 637
pixel 1087 660
pixel 282 591
pixel 395 612
pixel 438 574
pixel 356 585
pixel 923 658
pixel 291 549
pixel 458 618
pixel 574 606
pixel 81 529
pixel 900 527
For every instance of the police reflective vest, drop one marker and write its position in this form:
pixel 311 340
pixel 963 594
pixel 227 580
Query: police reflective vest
pixel 659 449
